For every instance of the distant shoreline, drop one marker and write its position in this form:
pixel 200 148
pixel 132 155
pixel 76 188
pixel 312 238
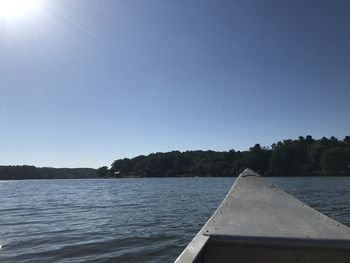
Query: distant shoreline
pixel 169 177
pixel 304 156
pixel 27 172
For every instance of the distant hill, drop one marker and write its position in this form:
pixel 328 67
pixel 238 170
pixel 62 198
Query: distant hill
pixel 31 172
pixel 304 156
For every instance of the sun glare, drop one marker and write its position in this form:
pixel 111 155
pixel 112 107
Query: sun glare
pixel 18 8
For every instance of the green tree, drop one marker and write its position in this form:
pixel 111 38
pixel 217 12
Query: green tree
pixel 102 171
pixel 283 161
pixel 334 161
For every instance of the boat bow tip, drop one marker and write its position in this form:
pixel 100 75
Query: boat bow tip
pixel 249 172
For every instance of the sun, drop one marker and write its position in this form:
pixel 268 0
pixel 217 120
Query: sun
pixel 18 8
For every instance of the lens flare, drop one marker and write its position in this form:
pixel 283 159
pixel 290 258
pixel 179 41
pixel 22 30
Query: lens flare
pixel 18 8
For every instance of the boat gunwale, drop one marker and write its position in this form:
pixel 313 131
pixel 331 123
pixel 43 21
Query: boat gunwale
pixel 278 242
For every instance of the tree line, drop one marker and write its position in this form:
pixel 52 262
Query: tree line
pixel 22 172
pixel 304 156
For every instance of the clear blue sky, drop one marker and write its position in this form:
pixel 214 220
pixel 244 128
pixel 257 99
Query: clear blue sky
pixel 86 82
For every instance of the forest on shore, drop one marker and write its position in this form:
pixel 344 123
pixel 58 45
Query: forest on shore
pixel 304 156
pixel 23 172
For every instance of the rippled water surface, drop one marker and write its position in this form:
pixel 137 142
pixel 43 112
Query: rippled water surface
pixel 129 220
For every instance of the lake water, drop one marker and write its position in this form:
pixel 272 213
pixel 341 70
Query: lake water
pixel 129 220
